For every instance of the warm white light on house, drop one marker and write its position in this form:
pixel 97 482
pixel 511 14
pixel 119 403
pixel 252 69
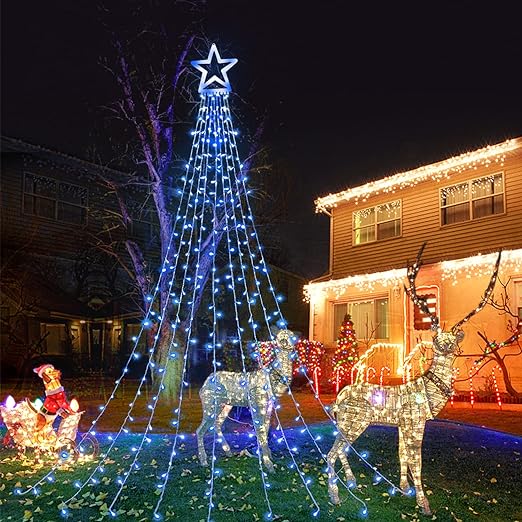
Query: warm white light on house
pixel 487 156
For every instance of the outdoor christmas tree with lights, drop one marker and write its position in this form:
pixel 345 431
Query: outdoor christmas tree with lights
pixel 346 354
pixel 214 261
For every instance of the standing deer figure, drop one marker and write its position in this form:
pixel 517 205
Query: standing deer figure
pixel 222 390
pixel 407 406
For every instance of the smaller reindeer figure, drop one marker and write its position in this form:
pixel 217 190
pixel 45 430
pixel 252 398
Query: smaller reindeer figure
pixel 407 406
pixel 257 390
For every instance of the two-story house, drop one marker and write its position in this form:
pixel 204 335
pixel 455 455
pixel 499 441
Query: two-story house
pixel 466 208
pixel 63 297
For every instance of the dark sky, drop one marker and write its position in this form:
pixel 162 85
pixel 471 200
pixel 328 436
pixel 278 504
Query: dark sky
pixel 352 92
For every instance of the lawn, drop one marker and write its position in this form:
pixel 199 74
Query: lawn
pixel 469 474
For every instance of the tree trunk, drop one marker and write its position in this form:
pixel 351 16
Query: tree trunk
pixel 173 366
pixel 505 375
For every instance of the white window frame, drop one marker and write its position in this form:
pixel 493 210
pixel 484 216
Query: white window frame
pixel 376 223
pixel 361 335
pixel 56 200
pixel 471 199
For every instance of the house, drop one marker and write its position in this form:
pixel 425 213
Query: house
pixel 466 208
pixel 63 298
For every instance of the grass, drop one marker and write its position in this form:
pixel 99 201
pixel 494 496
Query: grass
pixel 469 474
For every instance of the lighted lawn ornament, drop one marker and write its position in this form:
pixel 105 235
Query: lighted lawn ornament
pixel 407 405
pixel 222 390
pixel 31 425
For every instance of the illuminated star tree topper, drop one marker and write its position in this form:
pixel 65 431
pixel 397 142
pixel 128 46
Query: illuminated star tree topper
pixel 205 66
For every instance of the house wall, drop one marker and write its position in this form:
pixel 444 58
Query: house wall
pixel 39 234
pixel 457 295
pixel 421 222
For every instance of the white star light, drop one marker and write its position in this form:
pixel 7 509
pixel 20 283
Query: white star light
pixel 204 83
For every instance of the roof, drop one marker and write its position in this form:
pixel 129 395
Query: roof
pixel 435 171
pixel 16 145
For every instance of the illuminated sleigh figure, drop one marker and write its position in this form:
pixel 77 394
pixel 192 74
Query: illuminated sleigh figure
pixel 21 420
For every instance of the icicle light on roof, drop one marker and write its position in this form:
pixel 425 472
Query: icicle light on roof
pixel 492 154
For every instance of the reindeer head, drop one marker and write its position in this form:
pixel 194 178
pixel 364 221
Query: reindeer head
pixel 445 342
pixel 285 340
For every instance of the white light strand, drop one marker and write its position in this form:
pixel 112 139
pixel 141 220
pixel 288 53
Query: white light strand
pixel 133 352
pixel 454 270
pixel 152 408
pixel 289 391
pixel 490 155
pixel 204 167
pixel 236 310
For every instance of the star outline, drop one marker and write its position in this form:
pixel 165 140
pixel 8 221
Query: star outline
pixel 204 82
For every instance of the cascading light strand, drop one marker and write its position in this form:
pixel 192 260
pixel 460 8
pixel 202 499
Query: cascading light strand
pixel 198 200
pixel 132 356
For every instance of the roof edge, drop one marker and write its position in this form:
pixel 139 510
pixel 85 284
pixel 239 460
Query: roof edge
pixel 442 169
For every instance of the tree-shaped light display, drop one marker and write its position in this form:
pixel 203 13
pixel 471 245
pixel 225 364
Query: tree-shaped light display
pixel 346 354
pixel 309 356
pixel 215 247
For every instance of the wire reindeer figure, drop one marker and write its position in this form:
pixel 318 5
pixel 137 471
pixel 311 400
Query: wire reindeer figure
pixel 407 406
pixel 256 390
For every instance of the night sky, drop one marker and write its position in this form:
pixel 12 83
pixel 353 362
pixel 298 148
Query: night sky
pixel 351 93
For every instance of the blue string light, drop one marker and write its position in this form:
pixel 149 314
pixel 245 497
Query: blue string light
pixel 214 193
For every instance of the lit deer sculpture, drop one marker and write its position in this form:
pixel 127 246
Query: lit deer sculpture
pixel 222 390
pixel 407 406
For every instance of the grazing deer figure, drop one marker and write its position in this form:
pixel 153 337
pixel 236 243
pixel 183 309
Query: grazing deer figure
pixel 407 406
pixel 222 390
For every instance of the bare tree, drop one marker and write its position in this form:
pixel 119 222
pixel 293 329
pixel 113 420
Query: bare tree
pixel 147 108
pixel 495 352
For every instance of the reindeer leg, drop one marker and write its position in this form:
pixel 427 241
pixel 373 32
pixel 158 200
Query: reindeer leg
pixel 350 478
pixel 331 459
pixel 266 425
pixel 352 421
pixel 403 457
pixel 206 422
pixel 414 448
pixel 219 422
pixel 259 418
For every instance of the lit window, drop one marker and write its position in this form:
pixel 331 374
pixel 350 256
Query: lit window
pixel 53 199
pixel 370 318
pixel 472 199
pixel 377 223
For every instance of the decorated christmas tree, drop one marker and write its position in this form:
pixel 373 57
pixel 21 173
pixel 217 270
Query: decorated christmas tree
pixel 346 354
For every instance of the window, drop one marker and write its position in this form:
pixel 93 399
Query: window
pixel 472 199
pixel 376 223
pixel 52 199
pixel 370 318
pixel 144 224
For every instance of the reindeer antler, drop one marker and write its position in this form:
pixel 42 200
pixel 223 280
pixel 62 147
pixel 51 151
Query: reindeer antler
pixel 419 301
pixel 485 297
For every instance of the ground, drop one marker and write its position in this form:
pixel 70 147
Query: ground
pixel 91 393
pixel 469 473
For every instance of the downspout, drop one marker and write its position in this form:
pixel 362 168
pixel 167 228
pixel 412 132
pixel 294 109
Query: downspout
pixel 328 275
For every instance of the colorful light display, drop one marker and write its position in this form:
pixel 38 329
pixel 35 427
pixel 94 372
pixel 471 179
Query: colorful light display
pixel 346 355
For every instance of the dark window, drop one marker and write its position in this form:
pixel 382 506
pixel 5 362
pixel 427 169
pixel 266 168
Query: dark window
pixel 52 199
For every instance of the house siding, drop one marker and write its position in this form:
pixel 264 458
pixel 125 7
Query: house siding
pixel 457 294
pixel 421 222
